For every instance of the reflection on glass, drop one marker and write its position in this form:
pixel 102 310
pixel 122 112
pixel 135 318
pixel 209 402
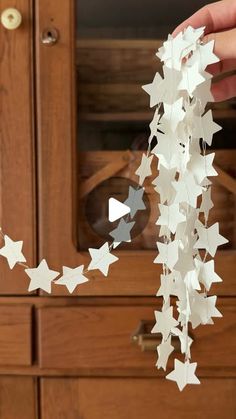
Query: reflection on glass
pixel 115 56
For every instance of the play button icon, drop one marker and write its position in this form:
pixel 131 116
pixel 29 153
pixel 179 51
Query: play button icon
pixel 116 209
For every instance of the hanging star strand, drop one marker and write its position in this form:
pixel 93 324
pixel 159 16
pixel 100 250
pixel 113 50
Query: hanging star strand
pixel 180 127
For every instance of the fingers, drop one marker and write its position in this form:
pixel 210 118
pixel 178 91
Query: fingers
pixel 224 89
pixel 215 16
pixel 225 44
pixel 221 67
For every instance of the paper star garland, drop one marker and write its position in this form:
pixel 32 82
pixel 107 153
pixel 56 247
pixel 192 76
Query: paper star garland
pixel 191 79
pixel 209 238
pixel 101 259
pixel 12 251
pixel 205 127
pixel 173 114
pixel 122 232
pixel 168 253
pixel 164 350
pixel 170 216
pixel 135 200
pixel 183 374
pixel 164 322
pixel 185 191
pixel 179 122
pixel 41 277
pixel 144 169
pixel 72 277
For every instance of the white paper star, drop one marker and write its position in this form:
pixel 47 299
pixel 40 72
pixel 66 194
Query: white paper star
pixel 168 286
pixel 164 322
pixel 135 200
pixel 144 169
pixel 12 251
pixel 206 273
pixel 164 350
pixel 170 216
pixel 168 92
pixel 209 238
pixel 203 94
pixel 185 263
pixel 201 166
pixel 101 258
pixel 72 277
pixel 192 35
pixel 183 374
pixel 191 78
pixel 203 309
pixel 173 51
pixel 204 55
pixel 154 91
pixel 41 277
pixel 205 127
pixel 163 184
pixel 168 253
pixel 173 114
pixel 168 147
pixel 122 232
pixel 187 190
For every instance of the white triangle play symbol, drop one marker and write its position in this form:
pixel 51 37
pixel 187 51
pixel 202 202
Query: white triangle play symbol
pixel 116 209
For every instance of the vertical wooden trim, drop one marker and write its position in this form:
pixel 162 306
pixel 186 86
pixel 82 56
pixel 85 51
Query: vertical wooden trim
pixel 56 107
pixel 17 148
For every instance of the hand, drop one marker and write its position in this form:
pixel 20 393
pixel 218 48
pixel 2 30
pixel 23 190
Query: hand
pixel 220 21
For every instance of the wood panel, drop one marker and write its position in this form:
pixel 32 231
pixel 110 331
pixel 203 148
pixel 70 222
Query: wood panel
pixel 18 398
pixel 136 398
pixel 17 197
pixel 99 338
pixel 15 335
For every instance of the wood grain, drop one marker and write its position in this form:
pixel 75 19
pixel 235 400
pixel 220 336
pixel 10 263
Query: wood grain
pixel 100 338
pixel 17 165
pixel 136 398
pixel 15 335
pixel 18 398
pixel 56 136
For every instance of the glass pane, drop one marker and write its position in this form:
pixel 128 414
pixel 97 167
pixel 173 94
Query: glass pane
pixel 115 56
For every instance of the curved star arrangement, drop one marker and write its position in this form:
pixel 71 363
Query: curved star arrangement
pixel 181 130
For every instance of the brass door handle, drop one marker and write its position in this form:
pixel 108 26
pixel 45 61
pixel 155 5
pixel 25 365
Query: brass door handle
pixel 148 341
pixel 11 18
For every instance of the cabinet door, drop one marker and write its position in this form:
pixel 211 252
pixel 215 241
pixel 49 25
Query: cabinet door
pixel 117 398
pixel 17 168
pixel 18 398
pixel 105 100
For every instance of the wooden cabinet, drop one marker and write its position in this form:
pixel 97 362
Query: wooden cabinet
pixel 73 117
